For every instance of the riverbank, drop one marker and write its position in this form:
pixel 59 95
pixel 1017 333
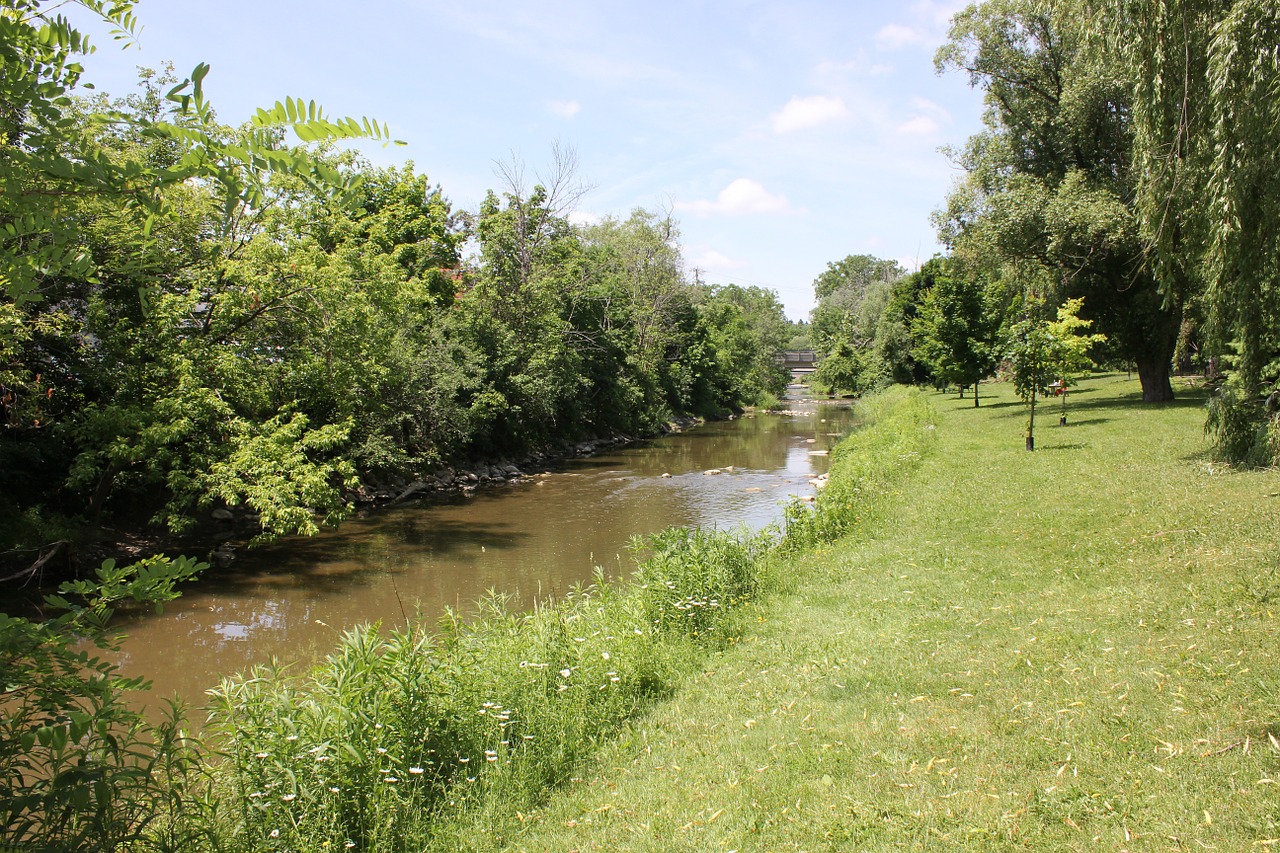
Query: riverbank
pixel 1067 649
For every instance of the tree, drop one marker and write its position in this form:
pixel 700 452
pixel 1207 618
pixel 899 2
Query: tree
pixel 850 369
pixel 1050 182
pixel 747 329
pixel 1030 352
pixel 1070 354
pixel 845 291
pixel 1206 137
pixel 956 331
pixel 1044 352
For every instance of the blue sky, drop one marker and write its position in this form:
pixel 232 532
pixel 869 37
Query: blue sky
pixel 782 135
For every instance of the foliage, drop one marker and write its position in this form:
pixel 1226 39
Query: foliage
pixel 850 294
pixel 80 767
pixel 956 329
pixel 394 738
pixel 1049 183
pixel 849 370
pixel 1206 132
pixel 1042 352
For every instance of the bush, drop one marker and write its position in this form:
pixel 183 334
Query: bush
pixel 79 768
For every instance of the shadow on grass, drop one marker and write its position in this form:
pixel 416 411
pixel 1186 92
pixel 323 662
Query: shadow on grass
pixel 1074 446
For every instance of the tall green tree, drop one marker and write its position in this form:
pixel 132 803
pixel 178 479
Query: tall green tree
pixel 1206 135
pixel 956 331
pixel 1050 181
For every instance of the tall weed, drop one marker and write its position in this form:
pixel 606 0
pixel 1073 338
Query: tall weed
pixel 394 736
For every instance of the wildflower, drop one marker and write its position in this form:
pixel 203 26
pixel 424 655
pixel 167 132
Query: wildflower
pixel 564 673
pixel 275 833
pixel 391 780
pixel 490 756
pixel 256 794
pixel 333 790
pixel 415 771
pixel 291 738
pixel 462 760
pixel 382 750
pixel 260 755
pixel 349 845
pixel 604 655
pixel 288 798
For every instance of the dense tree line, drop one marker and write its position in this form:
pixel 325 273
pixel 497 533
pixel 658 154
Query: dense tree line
pixel 1127 168
pixel 194 315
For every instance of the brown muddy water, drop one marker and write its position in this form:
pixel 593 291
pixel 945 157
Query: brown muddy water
pixel 530 540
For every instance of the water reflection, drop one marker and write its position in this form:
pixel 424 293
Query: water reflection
pixel 531 539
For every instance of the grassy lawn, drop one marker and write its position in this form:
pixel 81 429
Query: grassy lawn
pixel 1075 648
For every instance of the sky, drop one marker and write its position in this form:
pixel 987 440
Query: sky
pixel 782 136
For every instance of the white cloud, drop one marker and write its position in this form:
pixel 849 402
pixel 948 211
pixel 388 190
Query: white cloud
pixel 930 20
pixel 896 37
pixel 814 110
pixel 564 109
pixel 743 196
pixel 928 120
pixel 919 126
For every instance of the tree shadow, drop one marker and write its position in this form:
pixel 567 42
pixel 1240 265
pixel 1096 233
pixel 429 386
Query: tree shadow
pixel 1072 446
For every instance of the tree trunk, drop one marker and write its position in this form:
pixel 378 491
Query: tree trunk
pixel 975 395
pixel 1154 373
pixel 1031 424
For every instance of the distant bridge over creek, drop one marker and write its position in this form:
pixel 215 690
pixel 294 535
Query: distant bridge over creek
pixel 799 360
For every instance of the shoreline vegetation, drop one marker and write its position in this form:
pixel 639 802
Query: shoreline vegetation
pixel 959 645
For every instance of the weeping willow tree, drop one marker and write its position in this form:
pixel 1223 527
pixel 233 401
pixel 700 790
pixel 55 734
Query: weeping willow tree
pixel 1206 118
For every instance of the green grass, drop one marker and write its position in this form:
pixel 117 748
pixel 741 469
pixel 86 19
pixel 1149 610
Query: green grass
pixel 1069 649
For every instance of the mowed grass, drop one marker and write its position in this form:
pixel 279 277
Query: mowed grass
pixel 1070 649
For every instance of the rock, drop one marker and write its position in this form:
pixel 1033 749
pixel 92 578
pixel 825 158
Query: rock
pixel 445 478
pixel 666 476
pixel 711 471
pixel 222 515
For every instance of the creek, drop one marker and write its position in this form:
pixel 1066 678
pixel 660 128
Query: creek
pixel 529 540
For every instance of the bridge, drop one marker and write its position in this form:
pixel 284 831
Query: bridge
pixel 799 360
